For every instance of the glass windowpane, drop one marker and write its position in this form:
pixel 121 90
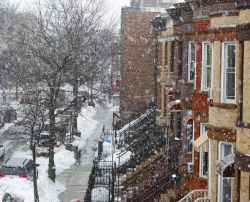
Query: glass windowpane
pixel 227 190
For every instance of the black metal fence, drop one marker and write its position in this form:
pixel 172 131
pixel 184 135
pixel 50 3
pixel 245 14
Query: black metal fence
pixel 101 182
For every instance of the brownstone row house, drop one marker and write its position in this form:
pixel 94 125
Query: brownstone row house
pixel 203 107
pixel 215 139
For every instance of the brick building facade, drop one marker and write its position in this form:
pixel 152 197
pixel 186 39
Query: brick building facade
pixel 203 81
pixel 137 69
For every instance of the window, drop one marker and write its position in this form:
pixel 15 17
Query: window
pixel 203 128
pixel 225 184
pixel 191 61
pixel 228 73
pixel 178 122
pixel 207 66
pixel 166 53
pixel 203 154
pixel 190 138
pixel 180 56
pixel 172 56
pixel 170 120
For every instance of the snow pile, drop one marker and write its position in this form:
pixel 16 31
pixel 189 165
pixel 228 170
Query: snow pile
pixel 121 158
pixel 125 127
pixel 107 149
pixel 100 194
pixel 6 127
pixel 86 125
pixel 64 159
pixel 48 191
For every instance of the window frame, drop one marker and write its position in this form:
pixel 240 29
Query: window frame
pixel 193 141
pixel 189 61
pixel 201 165
pixel 221 178
pixel 224 68
pixel 166 62
pixel 189 131
pixel 204 74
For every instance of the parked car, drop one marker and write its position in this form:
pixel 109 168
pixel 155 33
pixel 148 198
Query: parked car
pixel 8 114
pixel 21 167
pixel 9 197
pixel 2 151
pixel 43 143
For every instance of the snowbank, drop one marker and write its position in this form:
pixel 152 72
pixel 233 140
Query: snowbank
pixel 64 159
pixel 86 125
pixel 48 191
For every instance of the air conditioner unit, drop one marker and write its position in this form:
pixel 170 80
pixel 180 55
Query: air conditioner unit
pixel 190 167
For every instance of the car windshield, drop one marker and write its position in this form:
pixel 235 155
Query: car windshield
pixel 44 136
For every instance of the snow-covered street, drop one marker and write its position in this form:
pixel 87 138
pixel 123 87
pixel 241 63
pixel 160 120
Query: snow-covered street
pixel 76 178
pixel 72 176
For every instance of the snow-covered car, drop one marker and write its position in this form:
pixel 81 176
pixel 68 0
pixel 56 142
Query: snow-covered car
pixel 8 114
pixel 10 197
pixel 2 151
pixel 21 167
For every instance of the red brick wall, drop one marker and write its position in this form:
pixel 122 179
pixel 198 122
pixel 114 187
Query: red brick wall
pixel 200 109
pixel 199 102
pixel 196 154
pixel 137 72
pixel 198 47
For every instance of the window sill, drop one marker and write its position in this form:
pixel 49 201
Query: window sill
pixel 203 176
pixel 223 105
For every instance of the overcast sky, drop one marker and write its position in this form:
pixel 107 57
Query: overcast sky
pixel 114 6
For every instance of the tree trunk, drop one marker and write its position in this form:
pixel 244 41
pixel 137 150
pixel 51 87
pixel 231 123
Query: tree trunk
pixel 35 175
pixel 51 168
pixel 17 90
pixel 75 110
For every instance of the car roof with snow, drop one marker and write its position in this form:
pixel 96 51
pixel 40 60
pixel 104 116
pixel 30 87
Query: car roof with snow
pixel 16 162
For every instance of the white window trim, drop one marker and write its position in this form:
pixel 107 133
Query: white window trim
pixel 223 74
pixel 201 153
pixel 209 168
pixel 203 72
pixel 220 178
pixel 189 56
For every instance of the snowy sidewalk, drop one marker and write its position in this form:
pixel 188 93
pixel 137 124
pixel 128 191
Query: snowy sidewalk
pixel 76 178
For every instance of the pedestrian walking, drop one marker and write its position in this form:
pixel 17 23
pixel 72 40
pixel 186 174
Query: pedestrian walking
pixel 4 97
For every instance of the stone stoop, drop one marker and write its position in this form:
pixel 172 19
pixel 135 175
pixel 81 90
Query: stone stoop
pixel 145 163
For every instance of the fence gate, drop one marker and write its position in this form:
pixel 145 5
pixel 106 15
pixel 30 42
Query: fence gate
pixel 101 182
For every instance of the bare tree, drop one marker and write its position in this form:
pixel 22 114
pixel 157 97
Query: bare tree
pixel 63 41
pixel 33 118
